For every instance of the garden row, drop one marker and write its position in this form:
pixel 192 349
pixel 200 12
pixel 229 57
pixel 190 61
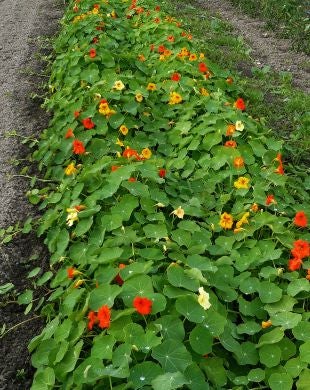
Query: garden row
pixel 179 247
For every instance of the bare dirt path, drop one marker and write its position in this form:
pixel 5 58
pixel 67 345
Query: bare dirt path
pixel 267 49
pixel 21 23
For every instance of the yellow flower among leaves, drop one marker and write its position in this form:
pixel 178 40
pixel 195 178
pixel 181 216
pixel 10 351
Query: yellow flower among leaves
pixel 226 221
pixel 179 212
pixel 204 298
pixel 242 183
pixel 139 97
pixel 151 87
pixel 118 85
pixel 123 129
pixel 72 216
pixel 146 153
pixel 244 220
pixel 70 169
pixel 175 98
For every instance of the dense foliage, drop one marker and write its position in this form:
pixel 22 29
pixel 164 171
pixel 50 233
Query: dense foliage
pixel 179 245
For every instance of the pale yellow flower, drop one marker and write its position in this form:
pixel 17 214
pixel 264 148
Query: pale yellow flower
pixel 139 97
pixel 72 216
pixel 118 85
pixel 123 129
pixel 119 142
pixel 204 298
pixel 239 126
pixel 179 212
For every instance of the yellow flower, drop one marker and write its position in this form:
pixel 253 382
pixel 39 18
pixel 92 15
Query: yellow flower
pixel 243 220
pixel 204 92
pixel 72 216
pixel 78 283
pixel 104 109
pixel 118 85
pixel 179 212
pixel 192 57
pixel 123 129
pixel 146 153
pixel 226 221
pixel 70 169
pixel 239 126
pixel 242 182
pixel 175 98
pixel 201 56
pixel 139 97
pixel 119 142
pixel 204 298
pixel 266 324
pixel 151 87
pixel 162 57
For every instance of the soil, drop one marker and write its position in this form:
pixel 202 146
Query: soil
pixel 267 48
pixel 21 74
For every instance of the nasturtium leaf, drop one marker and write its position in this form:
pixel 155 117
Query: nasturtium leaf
pixel 178 278
pixel 159 302
pixel 286 320
pixel 69 361
pixel 90 74
pixel 116 120
pixel 170 327
pixel 137 189
pixel 71 299
pixel 304 350
pixel 44 380
pixel 285 304
pixel 125 206
pixel 200 262
pixel 215 371
pixel 270 355
pixel 280 381
pixel 297 286
pixel 121 356
pixel 269 292
pixel 62 241
pixel 249 285
pixel 196 378
pixel 25 298
pixel 148 341
pixel 89 371
pixel 63 330
pixel 241 380
pixel 191 226
pixel 44 278
pixel 103 295
pixel 249 327
pixel 169 381
pixel 272 337
pixel 155 230
pixel 201 340
pixel 288 348
pixel 294 367
pixel 302 331
pixel 140 285
pixel 182 237
pixel 142 374
pixel 304 380
pixel 256 375
pixel 189 307
pixel 172 355
pixel 108 255
pixel 228 341
pixel 214 322
pixel 103 346
pixel 150 253
pixel 248 354
pixel 225 242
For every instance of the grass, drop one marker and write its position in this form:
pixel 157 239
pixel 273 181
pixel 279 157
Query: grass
pixel 271 95
pixel 289 18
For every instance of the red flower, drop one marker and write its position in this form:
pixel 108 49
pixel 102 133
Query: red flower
pixel 104 317
pixel 270 199
pixel 118 279
pixel 88 123
pixel 132 179
pixel 95 40
pixel 162 172
pixel 70 272
pixel 78 147
pixel 202 67
pixel 294 264
pixel 231 144
pixel 239 103
pixel 280 170
pixel 301 249
pixel 142 305
pixel 69 134
pixel 161 49
pixel 131 153
pixel 114 168
pixel 92 319
pixel 300 219
pixel 157 8
pixel 76 114
pixel 92 53
pixel 175 77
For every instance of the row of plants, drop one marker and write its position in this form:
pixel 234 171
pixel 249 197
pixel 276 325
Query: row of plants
pixel 179 246
pixel 290 18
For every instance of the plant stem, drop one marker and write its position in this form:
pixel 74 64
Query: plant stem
pixel 19 324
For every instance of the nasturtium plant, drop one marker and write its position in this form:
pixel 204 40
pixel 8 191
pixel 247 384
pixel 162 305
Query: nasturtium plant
pixel 179 243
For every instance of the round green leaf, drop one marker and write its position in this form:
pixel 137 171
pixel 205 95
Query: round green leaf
pixel 297 286
pixel 178 278
pixel 172 355
pixel 294 367
pixel 305 352
pixel 302 331
pixel 269 292
pixel 171 327
pixel 169 381
pixel 201 340
pixel 103 295
pixel 142 374
pixel 286 320
pixel 256 375
pixel 270 355
pixel 189 307
pixel 272 337
pixel 280 382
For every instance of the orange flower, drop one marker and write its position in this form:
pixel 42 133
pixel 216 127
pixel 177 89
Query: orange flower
pixel 175 77
pixel 104 317
pixel 192 57
pixel 128 152
pixel 92 320
pixel 170 38
pixel 254 207
pixel 231 144
pixel 162 172
pixel 69 134
pixel 151 87
pixel 270 199
pixel 266 324
pixel 123 129
pixel 239 104
pixel 280 170
pixel 229 80
pixel 202 67
pixel 230 130
pixel 294 264
pixel 78 147
pixel 301 219
pixel 175 98
pixel 132 179
pixel 76 114
pixel 238 162
pixel 72 272
pixel 92 53
pixel 146 153
pixel 88 123
pixel 308 274
pixel 142 305
pixel 114 168
pixel 226 221
pixel 161 49
pixel 301 249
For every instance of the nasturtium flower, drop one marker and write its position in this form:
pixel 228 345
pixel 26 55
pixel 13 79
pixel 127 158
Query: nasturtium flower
pixel 301 249
pixel 72 272
pixel 162 172
pixel 238 162
pixel 270 200
pixel 146 153
pixel 132 180
pixel 78 147
pixel 88 123
pixel 118 85
pixel 243 220
pixel 170 38
pixel 104 317
pixel 230 130
pixel 139 97
pixel 92 319
pixel 175 98
pixel 254 207
pixel 70 169
pixel 141 57
pixel 128 152
pixel 92 53
pixel 242 182
pixel 151 87
pixel 300 219
pixel 239 104
pixel 204 298
pixel 239 126
pixel 266 324
pixel 118 279
pixel 72 216
pixel 142 305
pixel 192 57
pixel 294 264
pixel 69 134
pixel 280 169
pixel 123 129
pixel 78 283
pixel 308 274
pixel 76 114
pixel 204 91
pixel 229 80
pixel 202 67
pixel 175 76
pixel 226 221
pixel 230 144
pixel 179 212
pixel 104 109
